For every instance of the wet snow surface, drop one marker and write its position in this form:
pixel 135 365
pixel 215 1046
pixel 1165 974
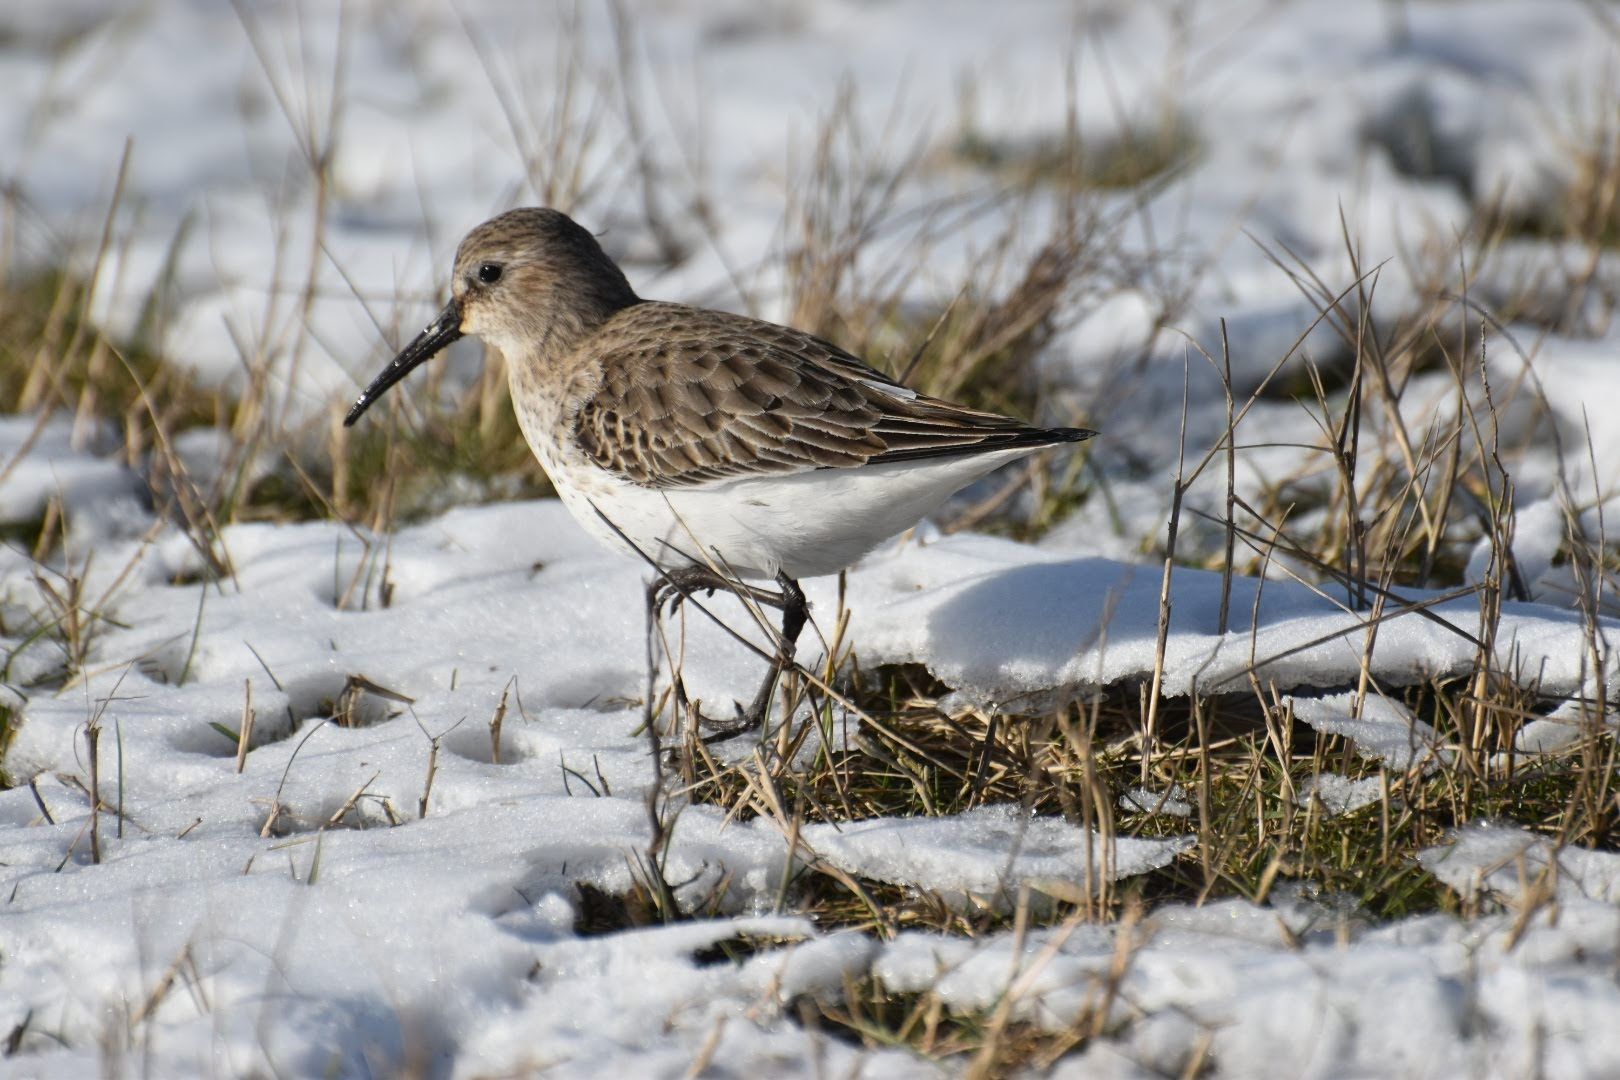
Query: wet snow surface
pixel 323 911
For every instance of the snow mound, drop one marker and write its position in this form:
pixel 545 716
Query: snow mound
pixel 988 853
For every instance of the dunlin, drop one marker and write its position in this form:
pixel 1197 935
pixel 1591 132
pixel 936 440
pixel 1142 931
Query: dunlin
pixel 715 446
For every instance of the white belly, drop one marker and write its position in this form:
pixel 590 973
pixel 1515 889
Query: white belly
pixel 802 525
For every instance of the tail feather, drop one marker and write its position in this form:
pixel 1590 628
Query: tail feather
pixel 1032 438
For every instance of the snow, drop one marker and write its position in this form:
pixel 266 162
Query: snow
pixel 1285 993
pixel 1509 862
pixel 282 889
pixel 1381 729
pixel 1174 801
pixel 1340 794
pixel 42 458
pixel 985 853
pixel 329 908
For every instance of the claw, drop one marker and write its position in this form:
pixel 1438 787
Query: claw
pixel 668 598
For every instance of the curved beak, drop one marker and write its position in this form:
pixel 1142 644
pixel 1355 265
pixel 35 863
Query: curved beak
pixel 445 328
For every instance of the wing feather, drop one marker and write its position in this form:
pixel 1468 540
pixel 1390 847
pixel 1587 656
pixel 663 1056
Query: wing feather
pixel 691 397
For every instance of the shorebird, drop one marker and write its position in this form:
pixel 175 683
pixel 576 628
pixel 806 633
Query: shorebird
pixel 716 447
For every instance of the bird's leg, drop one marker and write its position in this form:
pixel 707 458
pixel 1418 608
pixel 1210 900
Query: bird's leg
pixel 794 613
pixel 672 587
pixel 659 591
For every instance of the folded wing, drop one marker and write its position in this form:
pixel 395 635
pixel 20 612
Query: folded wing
pixel 693 397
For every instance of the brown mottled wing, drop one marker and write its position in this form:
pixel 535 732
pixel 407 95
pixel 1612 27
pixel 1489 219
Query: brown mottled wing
pixel 690 397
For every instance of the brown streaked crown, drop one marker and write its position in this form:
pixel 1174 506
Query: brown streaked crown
pixel 555 284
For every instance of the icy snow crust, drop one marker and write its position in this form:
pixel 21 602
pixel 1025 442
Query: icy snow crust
pixel 451 936
pixel 229 930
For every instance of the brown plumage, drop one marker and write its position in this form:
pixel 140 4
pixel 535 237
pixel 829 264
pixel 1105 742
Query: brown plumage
pixel 668 396
pixel 709 444
pixel 691 396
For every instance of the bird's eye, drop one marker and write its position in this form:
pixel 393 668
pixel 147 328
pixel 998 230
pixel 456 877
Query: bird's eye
pixel 489 273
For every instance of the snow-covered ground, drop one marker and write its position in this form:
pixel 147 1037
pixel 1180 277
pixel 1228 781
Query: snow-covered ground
pixel 356 900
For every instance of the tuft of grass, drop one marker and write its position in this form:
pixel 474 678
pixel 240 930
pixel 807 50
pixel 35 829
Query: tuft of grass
pixel 1588 209
pixel 985 1043
pixel 8 731
pixel 53 357
pixel 1124 161
pixel 1245 765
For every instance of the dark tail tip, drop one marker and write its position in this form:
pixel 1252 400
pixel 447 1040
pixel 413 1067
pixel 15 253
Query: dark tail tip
pixel 1070 434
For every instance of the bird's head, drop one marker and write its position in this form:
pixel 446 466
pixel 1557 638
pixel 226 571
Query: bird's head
pixel 530 282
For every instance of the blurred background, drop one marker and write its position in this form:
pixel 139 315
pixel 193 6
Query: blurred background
pixel 220 219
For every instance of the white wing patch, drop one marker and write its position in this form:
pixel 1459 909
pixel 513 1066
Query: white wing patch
pixel 904 393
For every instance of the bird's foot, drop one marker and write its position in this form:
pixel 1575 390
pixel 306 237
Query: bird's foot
pixel 667 597
pixel 748 720
pixel 710 731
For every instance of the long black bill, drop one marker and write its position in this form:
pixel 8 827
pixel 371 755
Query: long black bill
pixel 440 332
